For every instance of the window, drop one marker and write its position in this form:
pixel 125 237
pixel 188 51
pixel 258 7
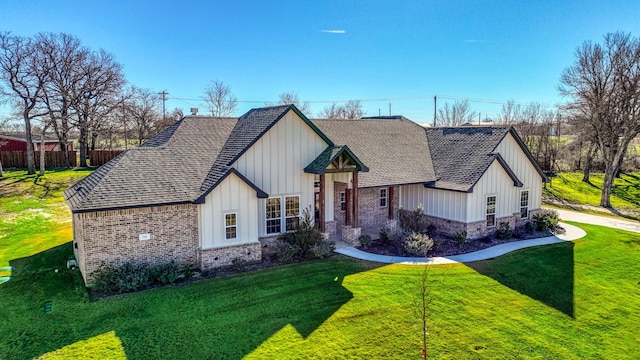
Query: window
pixel 343 201
pixel 274 216
pixel 230 226
pixel 491 211
pixel 524 204
pixel 383 197
pixel 292 212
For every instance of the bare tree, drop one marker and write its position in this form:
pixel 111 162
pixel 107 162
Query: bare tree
pixel 220 100
pixel 291 97
pixel 511 113
pixel 143 109
pixel 456 114
pixel 353 109
pixel 333 111
pixel 25 74
pixel 604 87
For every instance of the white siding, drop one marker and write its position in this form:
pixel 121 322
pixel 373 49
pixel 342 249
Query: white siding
pixel 328 197
pixel 524 170
pixel 276 162
pixel 232 195
pixel 451 205
pixel 495 181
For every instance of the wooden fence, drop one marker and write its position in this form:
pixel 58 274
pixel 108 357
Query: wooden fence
pixel 101 157
pixel 52 159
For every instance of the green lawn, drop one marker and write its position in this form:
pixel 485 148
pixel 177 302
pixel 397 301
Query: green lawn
pixel 570 188
pixel 570 300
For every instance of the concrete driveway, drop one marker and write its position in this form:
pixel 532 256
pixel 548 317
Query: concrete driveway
pixel 599 220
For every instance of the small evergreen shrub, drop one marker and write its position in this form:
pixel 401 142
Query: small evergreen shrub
pixel 132 277
pixel 166 273
pixel 460 238
pixel 530 227
pixel 415 221
pixel 546 220
pixel 286 252
pixel 305 236
pixel 365 240
pixel 504 231
pixel 188 271
pixel 386 236
pixel 418 244
pixel 323 249
pixel 104 279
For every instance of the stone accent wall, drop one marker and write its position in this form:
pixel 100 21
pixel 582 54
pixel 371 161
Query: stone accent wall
pixel 112 237
pixel 224 256
pixel 330 227
pixel 338 214
pixel 350 235
pixel 267 244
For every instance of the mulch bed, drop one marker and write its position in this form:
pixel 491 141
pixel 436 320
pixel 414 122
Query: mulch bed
pixel 446 246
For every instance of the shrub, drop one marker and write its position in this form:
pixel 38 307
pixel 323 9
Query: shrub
pixel 188 271
pixel 460 238
pixel 504 231
pixel 286 252
pixel 132 277
pixel 386 236
pixel 546 220
pixel 323 249
pixel 305 235
pixel 104 279
pixel 418 244
pixel 166 273
pixel 415 221
pixel 365 240
pixel 530 227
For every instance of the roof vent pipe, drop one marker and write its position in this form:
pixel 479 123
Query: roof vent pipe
pixel 194 111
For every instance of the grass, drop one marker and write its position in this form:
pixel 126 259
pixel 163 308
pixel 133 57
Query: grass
pixel 569 300
pixel 569 189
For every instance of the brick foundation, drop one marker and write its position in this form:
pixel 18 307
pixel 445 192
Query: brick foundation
pixel 217 257
pixel 350 235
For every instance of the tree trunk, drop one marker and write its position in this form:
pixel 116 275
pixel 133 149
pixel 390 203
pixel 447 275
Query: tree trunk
pixel 31 162
pixel 83 146
pixel 586 173
pixel 607 185
pixel 42 151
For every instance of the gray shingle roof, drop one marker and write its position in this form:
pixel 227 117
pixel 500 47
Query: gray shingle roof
pixel 168 169
pixel 461 155
pixel 319 164
pixel 395 150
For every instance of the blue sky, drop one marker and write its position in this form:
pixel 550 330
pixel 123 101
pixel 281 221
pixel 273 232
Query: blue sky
pixel 398 52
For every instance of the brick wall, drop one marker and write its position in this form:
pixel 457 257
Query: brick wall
pixel 212 258
pixel 369 210
pixel 112 237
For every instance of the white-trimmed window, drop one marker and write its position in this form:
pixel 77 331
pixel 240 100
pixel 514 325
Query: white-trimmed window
pixel 491 211
pixel 524 204
pixel 231 226
pixel 343 201
pixel 274 215
pixel 292 213
pixel 278 220
pixel 383 197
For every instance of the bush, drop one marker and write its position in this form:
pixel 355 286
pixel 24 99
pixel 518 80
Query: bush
pixel 286 252
pixel 415 221
pixel 530 227
pixel 166 273
pixel 104 279
pixel 418 244
pixel 323 249
pixel 305 236
pixel 386 236
pixel 504 231
pixel 460 237
pixel 187 271
pixel 365 240
pixel 132 277
pixel 546 220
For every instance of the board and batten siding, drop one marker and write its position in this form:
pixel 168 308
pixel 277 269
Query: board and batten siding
pixel 451 205
pixel 231 196
pixel 524 170
pixel 276 162
pixel 494 181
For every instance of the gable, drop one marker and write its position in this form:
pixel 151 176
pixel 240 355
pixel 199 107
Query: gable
pixel 519 160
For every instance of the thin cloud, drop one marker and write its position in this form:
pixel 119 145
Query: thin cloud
pixel 334 31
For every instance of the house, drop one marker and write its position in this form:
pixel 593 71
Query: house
pixel 206 191
pixel 18 142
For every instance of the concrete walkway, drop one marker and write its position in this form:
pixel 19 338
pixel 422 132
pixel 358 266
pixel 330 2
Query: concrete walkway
pixel 572 233
pixel 599 220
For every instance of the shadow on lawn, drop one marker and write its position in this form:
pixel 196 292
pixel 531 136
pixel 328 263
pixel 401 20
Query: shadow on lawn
pixel 543 273
pixel 226 317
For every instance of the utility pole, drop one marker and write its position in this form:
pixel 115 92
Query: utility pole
pixel 435 102
pixel 389 109
pixel 164 94
pixel 479 115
